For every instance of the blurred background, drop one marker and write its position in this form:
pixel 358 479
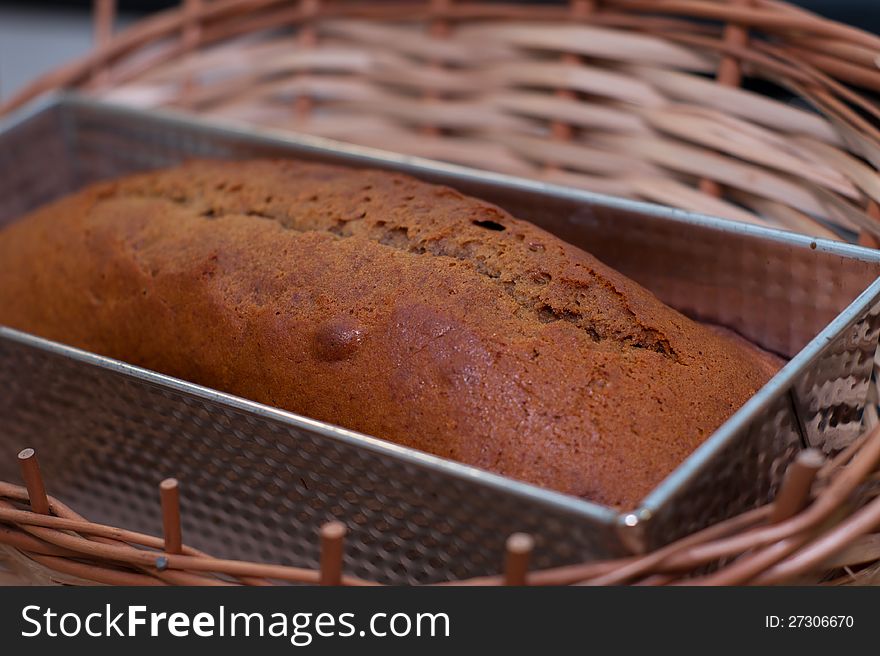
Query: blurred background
pixel 37 36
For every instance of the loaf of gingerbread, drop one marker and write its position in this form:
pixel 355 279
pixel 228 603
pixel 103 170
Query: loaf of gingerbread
pixel 386 305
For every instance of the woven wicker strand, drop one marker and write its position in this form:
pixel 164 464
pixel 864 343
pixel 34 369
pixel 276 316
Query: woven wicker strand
pixel 820 528
pixel 637 98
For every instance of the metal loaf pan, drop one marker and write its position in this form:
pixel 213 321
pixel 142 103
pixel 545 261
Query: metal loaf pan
pixel 257 482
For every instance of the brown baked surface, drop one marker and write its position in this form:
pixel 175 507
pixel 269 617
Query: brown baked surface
pixel 371 300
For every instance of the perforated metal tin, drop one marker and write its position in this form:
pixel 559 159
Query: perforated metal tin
pixel 257 482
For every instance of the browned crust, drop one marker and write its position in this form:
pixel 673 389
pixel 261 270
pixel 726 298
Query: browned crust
pixel 390 306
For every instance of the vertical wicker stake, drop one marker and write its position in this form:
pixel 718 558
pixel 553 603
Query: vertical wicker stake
pixel 192 34
pixel 33 481
pixel 438 28
pixel 795 491
pixel 332 543
pixel 865 237
pixel 104 14
pixel 104 18
pixel 306 38
pixel 516 563
pixel 580 11
pixel 730 75
pixel 169 494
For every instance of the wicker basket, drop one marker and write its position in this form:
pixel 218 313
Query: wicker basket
pixel 751 110
pixel 747 109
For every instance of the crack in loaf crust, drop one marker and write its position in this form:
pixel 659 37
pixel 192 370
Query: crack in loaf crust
pixel 390 306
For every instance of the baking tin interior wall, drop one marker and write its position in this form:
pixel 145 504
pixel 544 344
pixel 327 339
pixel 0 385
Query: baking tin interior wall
pixel 36 163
